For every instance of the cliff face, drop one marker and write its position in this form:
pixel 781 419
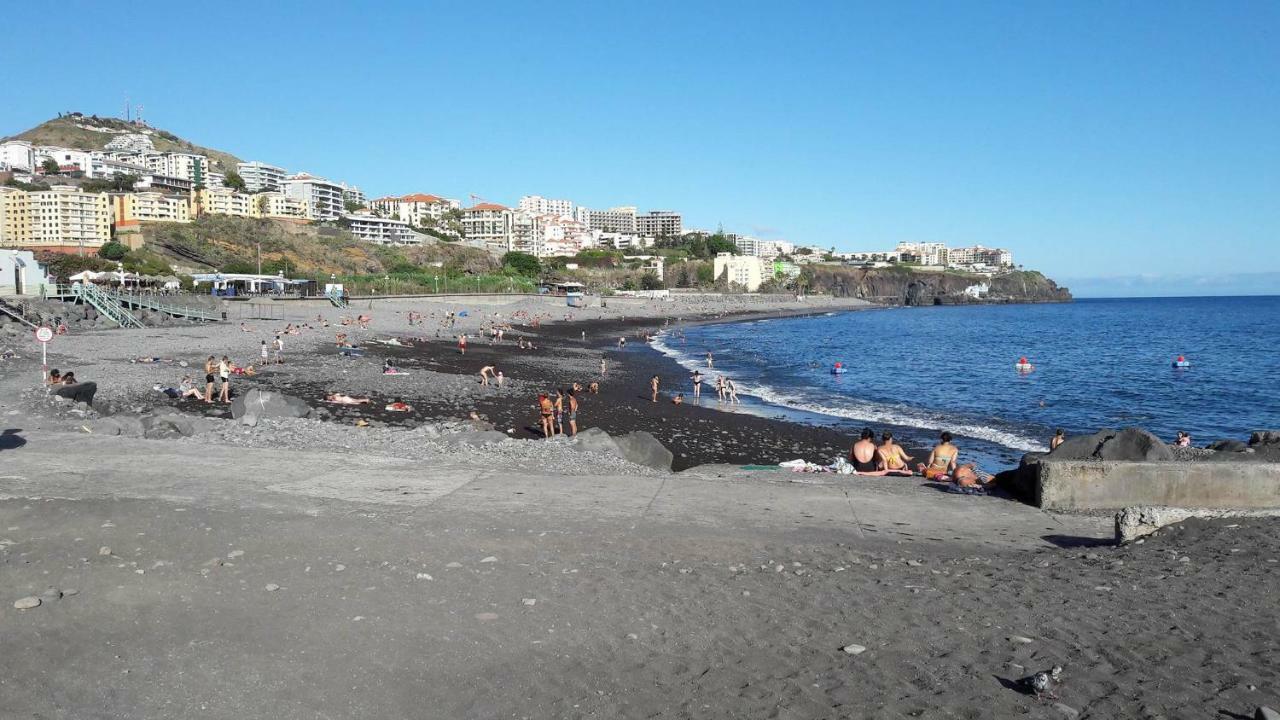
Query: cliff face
pixel 904 286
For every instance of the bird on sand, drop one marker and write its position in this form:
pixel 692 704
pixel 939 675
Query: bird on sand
pixel 1042 684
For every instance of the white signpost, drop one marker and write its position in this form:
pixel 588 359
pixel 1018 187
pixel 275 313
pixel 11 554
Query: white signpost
pixel 43 336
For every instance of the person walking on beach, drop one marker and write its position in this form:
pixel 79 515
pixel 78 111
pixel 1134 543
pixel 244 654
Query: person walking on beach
pixel 573 412
pixel 278 345
pixel 462 344
pixel 224 373
pixel 545 409
pixel 720 390
pixel 731 390
pixel 697 384
pixel 653 387
pixel 210 367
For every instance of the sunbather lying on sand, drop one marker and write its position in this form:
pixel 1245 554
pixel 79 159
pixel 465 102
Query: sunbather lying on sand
pixel 399 406
pixel 341 399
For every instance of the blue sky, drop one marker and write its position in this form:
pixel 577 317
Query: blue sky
pixel 1095 140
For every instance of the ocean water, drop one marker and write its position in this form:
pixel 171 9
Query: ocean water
pixel 1098 363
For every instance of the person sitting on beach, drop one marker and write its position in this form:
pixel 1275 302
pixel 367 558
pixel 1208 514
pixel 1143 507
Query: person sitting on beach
pixel 865 456
pixel 942 459
pixel 593 387
pixel 485 373
pixel 341 399
pixel 187 388
pixel 55 377
pixel 399 405
pixel 678 399
pixel 893 459
pixel 546 410
pixel 245 328
pixel 363 321
pixel 1059 437
pixel 1184 440
pixel 75 390
pixel 389 369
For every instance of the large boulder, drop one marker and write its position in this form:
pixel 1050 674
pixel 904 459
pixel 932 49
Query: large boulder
pixel 257 404
pixel 1264 437
pixel 1231 446
pixel 1129 444
pixel 638 447
pixel 642 448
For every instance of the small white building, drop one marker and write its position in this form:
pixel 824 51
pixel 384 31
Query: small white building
pixel 382 231
pixel 260 177
pixel 20 274
pixel 17 155
pixel 745 271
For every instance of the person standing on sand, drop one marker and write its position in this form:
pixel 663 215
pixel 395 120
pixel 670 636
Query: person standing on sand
pixel 485 372
pixel 224 372
pixel 462 343
pixel 603 367
pixel 710 364
pixel 278 346
pixel 557 422
pixel 210 367
pixel 697 384
pixel 573 412
pixel 501 379
pixel 720 390
pixel 264 352
pixel 622 343
pixel 653 387
pixel 545 409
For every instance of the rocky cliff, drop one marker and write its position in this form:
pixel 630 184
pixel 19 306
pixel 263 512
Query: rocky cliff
pixel 906 286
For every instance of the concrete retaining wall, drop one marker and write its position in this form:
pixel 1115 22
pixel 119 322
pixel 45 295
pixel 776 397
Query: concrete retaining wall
pixel 1071 485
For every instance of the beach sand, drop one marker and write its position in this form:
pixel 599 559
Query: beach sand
pixel 305 569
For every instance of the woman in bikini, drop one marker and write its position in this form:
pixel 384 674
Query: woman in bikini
pixel 893 458
pixel 942 459
pixel 546 409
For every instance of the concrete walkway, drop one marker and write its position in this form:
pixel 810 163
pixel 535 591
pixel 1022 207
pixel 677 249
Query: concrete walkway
pixel 715 498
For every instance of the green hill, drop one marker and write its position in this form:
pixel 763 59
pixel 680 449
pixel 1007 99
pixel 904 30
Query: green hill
pixel 90 132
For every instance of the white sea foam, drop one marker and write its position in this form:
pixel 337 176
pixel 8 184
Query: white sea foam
pixel 851 409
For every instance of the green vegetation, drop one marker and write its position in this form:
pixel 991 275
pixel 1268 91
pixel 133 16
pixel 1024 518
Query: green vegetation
pixel 351 206
pixel 650 281
pixel 117 183
pixel 29 187
pixel 522 263
pixel 113 251
pixel 234 181
pixel 50 167
pixel 698 246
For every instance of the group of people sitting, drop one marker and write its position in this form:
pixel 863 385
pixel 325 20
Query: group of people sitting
pixel 889 458
pixel 66 385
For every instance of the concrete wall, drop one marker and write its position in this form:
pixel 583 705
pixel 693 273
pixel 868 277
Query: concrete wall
pixel 1071 485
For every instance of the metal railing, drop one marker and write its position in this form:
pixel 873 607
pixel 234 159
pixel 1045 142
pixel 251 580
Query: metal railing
pixel 106 304
pixel 155 303
pixel 22 311
pixel 335 297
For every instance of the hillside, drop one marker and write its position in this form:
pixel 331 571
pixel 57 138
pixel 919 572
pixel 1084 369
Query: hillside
pixel 219 242
pixel 90 132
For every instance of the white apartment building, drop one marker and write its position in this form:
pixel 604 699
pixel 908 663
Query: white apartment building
pixel 382 231
pixel 623 241
pixel 163 183
pixel 280 206
pixel 353 194
pixel 325 198
pixel 526 233
pixel 260 177
pixel 766 249
pixel 562 236
pixel 746 271
pixel 979 255
pixel 62 219
pixel 131 142
pixel 68 160
pixel 488 223
pixel 185 166
pixel 17 155
pixel 930 254
pixel 103 166
pixel 418 209
pixel 660 223
pixel 538 205
pixel 614 220
pixel 223 201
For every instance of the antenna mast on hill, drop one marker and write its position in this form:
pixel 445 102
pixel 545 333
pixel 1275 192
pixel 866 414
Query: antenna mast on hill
pixel 126 108
pixel 477 199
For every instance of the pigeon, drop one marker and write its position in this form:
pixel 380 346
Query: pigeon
pixel 1042 683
